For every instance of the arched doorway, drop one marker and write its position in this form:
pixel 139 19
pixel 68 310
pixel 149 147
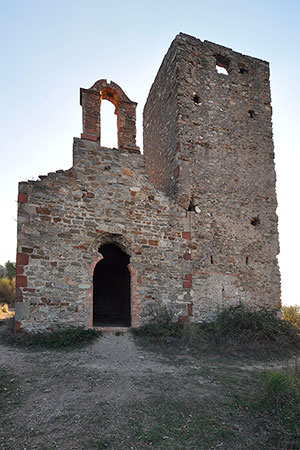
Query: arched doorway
pixel 111 294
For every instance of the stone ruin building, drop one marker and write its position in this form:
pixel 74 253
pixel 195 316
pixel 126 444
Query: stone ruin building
pixel 190 223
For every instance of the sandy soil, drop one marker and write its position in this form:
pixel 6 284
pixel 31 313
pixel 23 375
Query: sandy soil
pixel 63 388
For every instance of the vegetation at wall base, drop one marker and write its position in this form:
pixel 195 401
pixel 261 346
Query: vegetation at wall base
pixel 256 327
pixel 237 329
pixel 59 339
pixel 162 325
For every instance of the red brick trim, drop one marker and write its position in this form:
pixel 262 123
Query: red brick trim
pixel 19 270
pixel 134 300
pixel 21 281
pixel 89 137
pixel 89 297
pixel 22 198
pixel 22 259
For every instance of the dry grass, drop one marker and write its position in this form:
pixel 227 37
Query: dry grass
pixel 5 312
pixel 8 290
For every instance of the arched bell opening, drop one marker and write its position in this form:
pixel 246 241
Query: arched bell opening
pixel 91 99
pixel 109 97
pixel 108 125
pixel 111 288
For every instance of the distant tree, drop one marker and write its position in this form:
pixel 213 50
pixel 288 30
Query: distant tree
pixel 10 268
pixel 292 314
pixel 2 271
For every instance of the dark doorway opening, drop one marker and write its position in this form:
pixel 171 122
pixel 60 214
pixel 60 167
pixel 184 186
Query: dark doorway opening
pixel 111 281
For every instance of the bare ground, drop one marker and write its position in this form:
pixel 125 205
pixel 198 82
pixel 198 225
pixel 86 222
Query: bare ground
pixel 117 394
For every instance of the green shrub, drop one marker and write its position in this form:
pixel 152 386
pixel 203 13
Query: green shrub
pixel 235 328
pixel 255 326
pixel 7 290
pixel 282 387
pixel 292 315
pixel 65 338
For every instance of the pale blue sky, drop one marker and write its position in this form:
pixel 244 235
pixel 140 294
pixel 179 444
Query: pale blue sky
pixel 49 49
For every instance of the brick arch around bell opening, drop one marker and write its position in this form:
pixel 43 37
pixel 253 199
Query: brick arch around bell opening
pixel 125 109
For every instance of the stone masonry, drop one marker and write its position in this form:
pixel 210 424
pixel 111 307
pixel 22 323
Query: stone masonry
pixel 196 213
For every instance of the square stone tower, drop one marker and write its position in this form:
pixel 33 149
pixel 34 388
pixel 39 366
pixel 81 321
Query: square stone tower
pixel 208 145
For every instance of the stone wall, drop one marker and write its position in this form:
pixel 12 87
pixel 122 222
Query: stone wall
pixel 64 219
pixel 196 214
pixel 225 175
pixel 160 121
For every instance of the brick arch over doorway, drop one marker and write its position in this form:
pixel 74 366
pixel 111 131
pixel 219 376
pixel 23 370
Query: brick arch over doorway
pixel 125 109
pixel 106 238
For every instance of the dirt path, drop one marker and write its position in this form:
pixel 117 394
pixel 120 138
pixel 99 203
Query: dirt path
pixel 115 395
pixel 67 388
